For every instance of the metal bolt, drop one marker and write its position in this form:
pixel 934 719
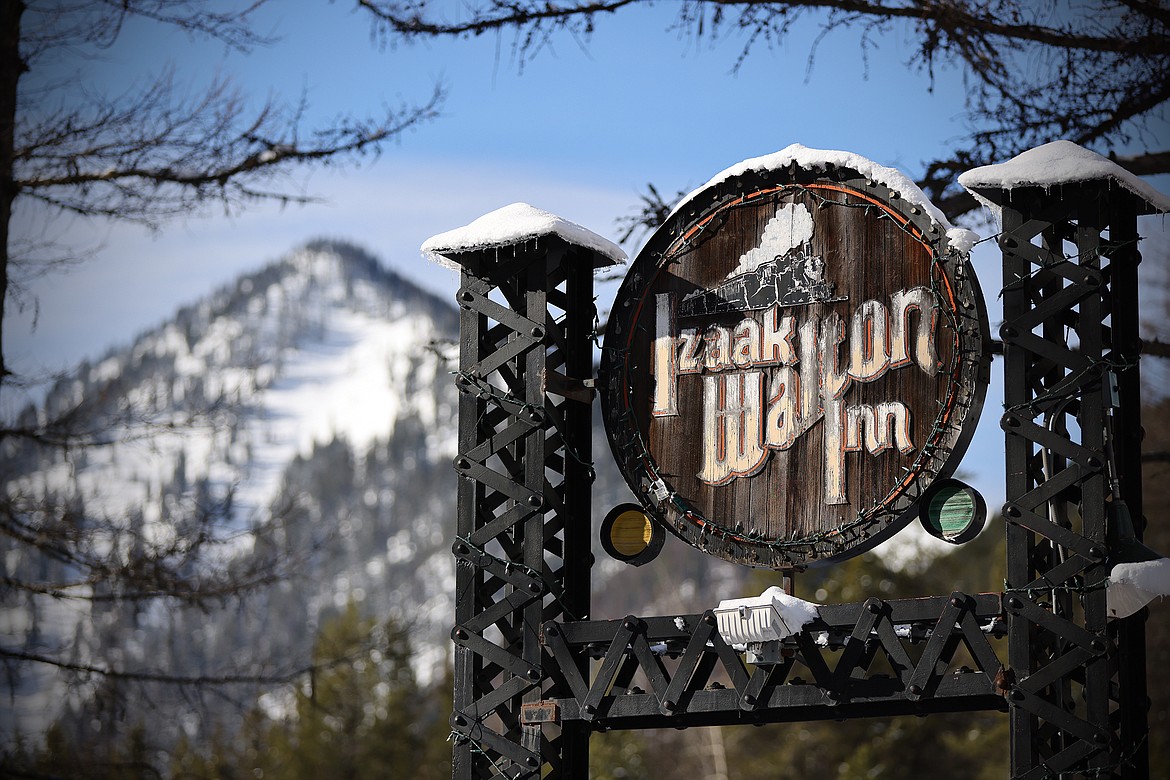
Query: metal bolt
pixel 1014 603
pixel 535 501
pixel 669 705
pixel 590 709
pixel 532 761
pixel 956 602
pixel 1011 510
pixel 533 674
pixel 459 633
pixel 874 607
pixel 552 631
pixel 537 332
pixel 916 689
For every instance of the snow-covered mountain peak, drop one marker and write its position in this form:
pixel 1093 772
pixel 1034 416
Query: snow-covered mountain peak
pixel 323 344
pixel 305 408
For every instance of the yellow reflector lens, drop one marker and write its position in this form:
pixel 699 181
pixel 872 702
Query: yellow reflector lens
pixel 630 533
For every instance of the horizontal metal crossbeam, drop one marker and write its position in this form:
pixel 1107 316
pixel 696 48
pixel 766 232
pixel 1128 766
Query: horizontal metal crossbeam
pixel 694 678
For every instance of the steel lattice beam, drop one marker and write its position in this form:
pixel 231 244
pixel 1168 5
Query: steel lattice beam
pixel 692 677
pixel 1072 420
pixel 525 466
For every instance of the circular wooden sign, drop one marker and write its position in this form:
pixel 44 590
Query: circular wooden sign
pixel 793 358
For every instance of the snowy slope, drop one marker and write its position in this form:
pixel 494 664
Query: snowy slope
pixel 305 400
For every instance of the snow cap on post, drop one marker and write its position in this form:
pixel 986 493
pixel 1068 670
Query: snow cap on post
pixel 1058 164
pixel 513 225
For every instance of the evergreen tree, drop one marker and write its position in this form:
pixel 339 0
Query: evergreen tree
pixel 361 714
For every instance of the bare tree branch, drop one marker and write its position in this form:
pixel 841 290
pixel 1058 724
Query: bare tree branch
pixel 954 17
pixel 1155 348
pixel 54 24
pixel 151 157
pixel 1038 70
pixel 170 678
pixel 1144 164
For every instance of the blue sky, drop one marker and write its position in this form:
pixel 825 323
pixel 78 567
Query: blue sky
pixel 578 130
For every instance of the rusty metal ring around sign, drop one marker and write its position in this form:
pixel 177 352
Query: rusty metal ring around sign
pixel 792 359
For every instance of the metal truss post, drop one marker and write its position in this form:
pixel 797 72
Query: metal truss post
pixel 1072 424
pixel 525 474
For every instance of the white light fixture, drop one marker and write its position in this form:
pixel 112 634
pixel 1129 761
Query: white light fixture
pixel 771 616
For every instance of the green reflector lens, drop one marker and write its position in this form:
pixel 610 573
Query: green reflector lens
pixel 953 512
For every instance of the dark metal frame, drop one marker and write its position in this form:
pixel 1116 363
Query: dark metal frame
pixel 696 679
pixel 1073 461
pixel 525 478
pixel 528 686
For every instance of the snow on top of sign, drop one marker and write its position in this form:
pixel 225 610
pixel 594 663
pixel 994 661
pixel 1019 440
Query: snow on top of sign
pixel 814 159
pixel 1059 162
pixel 513 224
